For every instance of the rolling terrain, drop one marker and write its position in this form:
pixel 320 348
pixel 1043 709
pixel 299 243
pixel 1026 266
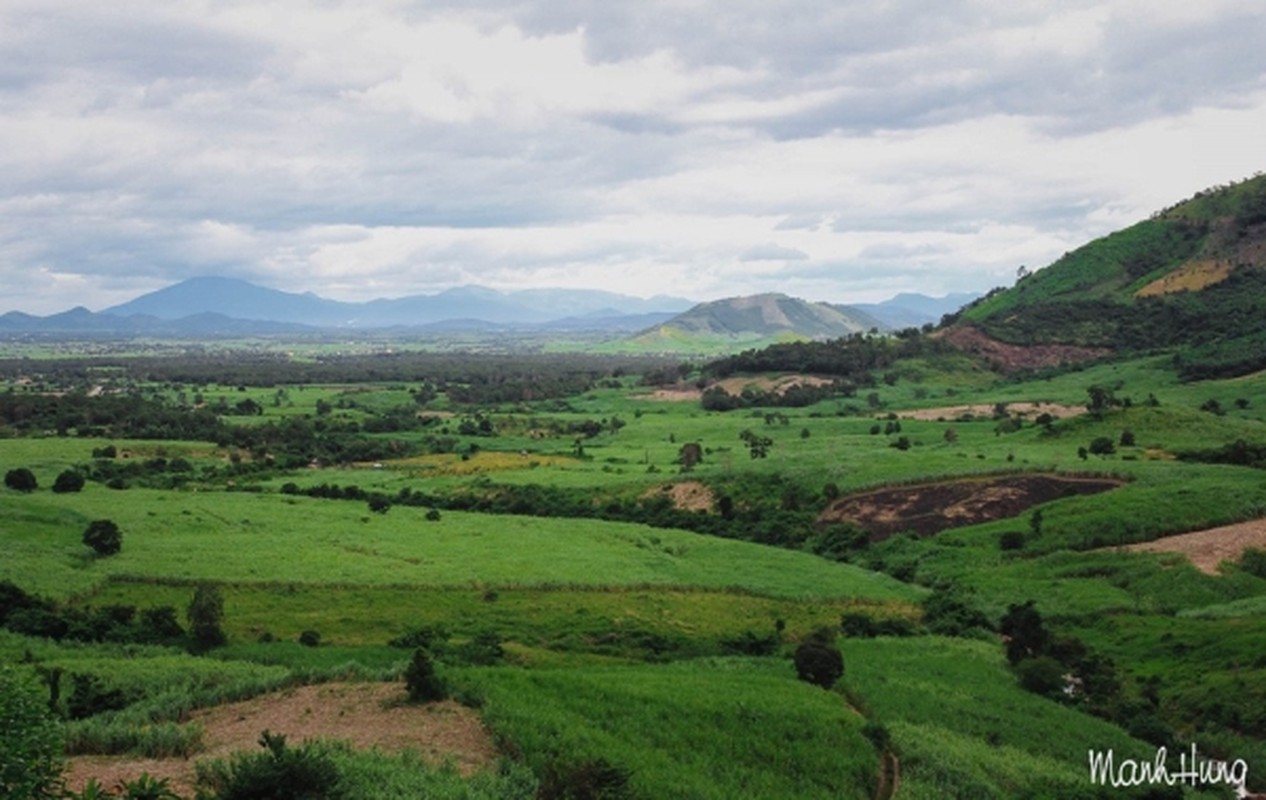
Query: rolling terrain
pixel 630 577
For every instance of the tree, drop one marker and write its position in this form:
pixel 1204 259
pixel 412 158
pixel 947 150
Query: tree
pixel 1101 399
pixel 689 455
pixel 1026 636
pixel 420 679
pixel 30 741
pixel 1102 446
pixel 205 614
pixel 68 481
pixel 21 480
pixel 103 536
pixel 819 661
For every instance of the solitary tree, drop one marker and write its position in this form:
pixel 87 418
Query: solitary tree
pixel 206 613
pixel 103 536
pixel 420 679
pixel 68 481
pixel 21 480
pixel 819 661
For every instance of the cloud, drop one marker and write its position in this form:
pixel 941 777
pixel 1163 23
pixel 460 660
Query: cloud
pixel 384 148
pixel 773 252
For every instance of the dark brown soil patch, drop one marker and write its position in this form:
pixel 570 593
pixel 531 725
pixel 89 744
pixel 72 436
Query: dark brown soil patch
pixel 930 508
pixel 1013 357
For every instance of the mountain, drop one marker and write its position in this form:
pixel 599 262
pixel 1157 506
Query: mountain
pixel 761 316
pixel 1190 276
pixel 243 300
pixel 233 298
pixel 909 310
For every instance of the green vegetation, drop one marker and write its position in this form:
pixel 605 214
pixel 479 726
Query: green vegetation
pixel 812 570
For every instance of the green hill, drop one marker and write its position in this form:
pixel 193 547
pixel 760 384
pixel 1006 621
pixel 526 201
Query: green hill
pixel 1192 275
pixel 770 317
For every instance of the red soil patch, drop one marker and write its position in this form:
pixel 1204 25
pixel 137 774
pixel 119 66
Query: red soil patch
pixel 1013 357
pixel 930 508
pixel 1209 548
pixel 365 715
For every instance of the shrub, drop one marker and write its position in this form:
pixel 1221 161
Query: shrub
pixel 598 779
pixel 483 650
pixel 1253 561
pixel 1011 540
pixel 30 741
pixel 1102 446
pixel 1127 438
pixel 307 772
pixel 68 481
pixel 310 638
pixel 21 480
pixel 420 679
pixel 104 537
pixel 819 661
pixel 1042 675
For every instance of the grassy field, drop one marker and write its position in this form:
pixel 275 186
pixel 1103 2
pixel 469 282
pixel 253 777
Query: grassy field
pixel 622 642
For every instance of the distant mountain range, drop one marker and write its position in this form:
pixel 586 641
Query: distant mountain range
pixel 213 306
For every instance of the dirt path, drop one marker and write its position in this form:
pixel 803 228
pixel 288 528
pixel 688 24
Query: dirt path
pixel 1211 547
pixel 365 715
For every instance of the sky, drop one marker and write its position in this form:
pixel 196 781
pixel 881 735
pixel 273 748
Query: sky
pixel 828 149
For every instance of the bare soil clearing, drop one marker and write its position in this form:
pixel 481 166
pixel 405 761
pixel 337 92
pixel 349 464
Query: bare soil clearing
pixel 1209 548
pixel 365 715
pixel 687 495
pixel 736 385
pixel 1025 409
pixel 930 508
pixel 1014 357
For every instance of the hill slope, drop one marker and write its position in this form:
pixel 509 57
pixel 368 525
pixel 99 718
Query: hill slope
pixel 1192 274
pixel 762 316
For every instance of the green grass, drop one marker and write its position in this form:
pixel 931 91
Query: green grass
pixel 254 538
pixel 964 727
pixel 716 728
pixel 356 622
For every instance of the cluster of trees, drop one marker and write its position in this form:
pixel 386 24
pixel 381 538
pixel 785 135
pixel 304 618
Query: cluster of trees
pixel 35 616
pixel 853 358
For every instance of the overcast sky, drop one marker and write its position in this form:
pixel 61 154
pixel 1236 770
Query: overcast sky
pixel 833 150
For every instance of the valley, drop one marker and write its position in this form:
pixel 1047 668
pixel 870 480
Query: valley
pixel 576 575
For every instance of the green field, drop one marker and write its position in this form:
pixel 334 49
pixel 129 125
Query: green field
pixel 646 645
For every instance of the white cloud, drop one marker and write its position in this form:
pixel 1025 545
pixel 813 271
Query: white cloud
pixel 702 148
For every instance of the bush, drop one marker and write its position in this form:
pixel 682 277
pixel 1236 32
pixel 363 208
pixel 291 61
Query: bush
pixel 310 638
pixel 30 741
pixel 279 773
pixel 104 537
pixel 420 679
pixel 1042 675
pixel 1011 540
pixel 1102 446
pixel 21 480
pixel 68 481
pixel 819 661
pixel 598 779
pixel 1254 562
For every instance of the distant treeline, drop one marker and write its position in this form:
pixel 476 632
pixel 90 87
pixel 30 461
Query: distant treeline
pixel 475 377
